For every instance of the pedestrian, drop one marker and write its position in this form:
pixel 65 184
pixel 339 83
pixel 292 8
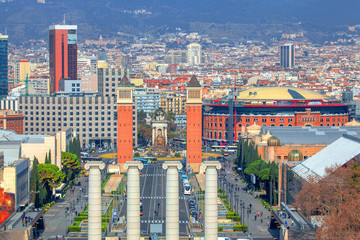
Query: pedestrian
pixel 150 237
pixel 286 224
pixel 255 216
pixel 261 220
pixel 261 213
pixel 292 223
pixel 4 227
pixel 23 222
pixel 26 221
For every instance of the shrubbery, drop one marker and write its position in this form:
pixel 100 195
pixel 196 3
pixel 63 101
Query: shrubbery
pixel 240 228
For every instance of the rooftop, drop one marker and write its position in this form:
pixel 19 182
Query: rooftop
pixel 335 155
pixel 310 135
pixel 279 93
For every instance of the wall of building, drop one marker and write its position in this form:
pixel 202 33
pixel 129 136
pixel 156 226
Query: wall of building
pixel 215 125
pixel 92 118
pixel 280 153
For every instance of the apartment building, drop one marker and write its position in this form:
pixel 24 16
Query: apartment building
pixel 173 103
pixel 147 99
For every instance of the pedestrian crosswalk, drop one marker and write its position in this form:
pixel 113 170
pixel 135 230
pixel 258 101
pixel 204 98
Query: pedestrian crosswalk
pixel 161 221
pixel 153 175
pixel 159 197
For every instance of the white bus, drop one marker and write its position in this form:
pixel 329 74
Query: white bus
pixel 187 188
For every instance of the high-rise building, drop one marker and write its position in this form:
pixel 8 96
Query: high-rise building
pixel 194 54
pixel 3 65
pixel 287 55
pixel 21 71
pixel 63 54
pixel 108 80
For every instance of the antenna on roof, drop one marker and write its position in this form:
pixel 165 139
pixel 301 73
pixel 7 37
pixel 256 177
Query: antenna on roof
pixel 5 30
pixel 64 19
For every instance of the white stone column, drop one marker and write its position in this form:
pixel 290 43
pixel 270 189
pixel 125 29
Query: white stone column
pixel 211 205
pixel 94 211
pixel 133 199
pixel 172 199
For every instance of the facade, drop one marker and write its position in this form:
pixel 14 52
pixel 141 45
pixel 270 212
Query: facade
pixel 21 71
pixel 176 57
pixel 109 78
pixel 3 65
pixel 63 54
pixel 12 104
pixel 125 104
pixel 194 54
pixel 12 121
pixel 271 106
pixel 194 123
pixel 14 178
pixel 147 99
pixel 94 119
pixel 173 103
pixel 14 145
pixel 287 55
pixel 71 86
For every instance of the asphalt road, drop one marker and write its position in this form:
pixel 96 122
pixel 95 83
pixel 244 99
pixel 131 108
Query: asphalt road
pixel 152 192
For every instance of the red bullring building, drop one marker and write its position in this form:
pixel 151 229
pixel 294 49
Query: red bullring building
pixel 270 106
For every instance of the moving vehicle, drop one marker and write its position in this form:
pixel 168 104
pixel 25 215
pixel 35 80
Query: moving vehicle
pixel 187 188
pixel 184 177
pixel 143 160
pixel 84 154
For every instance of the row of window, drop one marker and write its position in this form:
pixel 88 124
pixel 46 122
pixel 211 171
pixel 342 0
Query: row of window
pixel 65 107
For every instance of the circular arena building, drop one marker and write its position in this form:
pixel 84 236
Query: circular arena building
pixel 224 119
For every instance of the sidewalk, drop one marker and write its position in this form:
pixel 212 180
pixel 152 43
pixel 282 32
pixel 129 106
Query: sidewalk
pixel 56 221
pixel 255 227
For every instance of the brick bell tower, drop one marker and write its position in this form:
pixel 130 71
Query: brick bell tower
pixel 124 121
pixel 194 124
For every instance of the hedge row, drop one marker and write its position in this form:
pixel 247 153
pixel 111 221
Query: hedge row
pixel 240 228
pixel 74 228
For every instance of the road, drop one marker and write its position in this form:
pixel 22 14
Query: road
pixel 56 220
pixel 258 229
pixel 153 192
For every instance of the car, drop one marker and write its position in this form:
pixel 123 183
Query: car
pixel 102 151
pixel 194 215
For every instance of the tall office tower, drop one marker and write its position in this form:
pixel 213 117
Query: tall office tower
pixel 194 54
pixel 21 71
pixel 63 54
pixel 109 78
pixel 287 55
pixel 3 65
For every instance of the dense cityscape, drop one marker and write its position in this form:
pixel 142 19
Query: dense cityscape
pixel 179 136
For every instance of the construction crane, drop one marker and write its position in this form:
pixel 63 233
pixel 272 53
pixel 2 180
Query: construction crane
pixel 26 85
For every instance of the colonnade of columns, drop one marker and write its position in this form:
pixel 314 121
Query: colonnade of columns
pixel 172 199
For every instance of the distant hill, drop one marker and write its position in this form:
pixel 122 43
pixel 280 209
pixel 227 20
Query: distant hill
pixel 231 19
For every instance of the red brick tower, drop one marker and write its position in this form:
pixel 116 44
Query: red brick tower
pixel 194 124
pixel 124 121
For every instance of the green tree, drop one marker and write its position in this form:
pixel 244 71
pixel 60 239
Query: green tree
pixel 141 115
pixel 49 156
pixel 71 165
pixel 46 158
pixel 34 184
pixel 49 177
